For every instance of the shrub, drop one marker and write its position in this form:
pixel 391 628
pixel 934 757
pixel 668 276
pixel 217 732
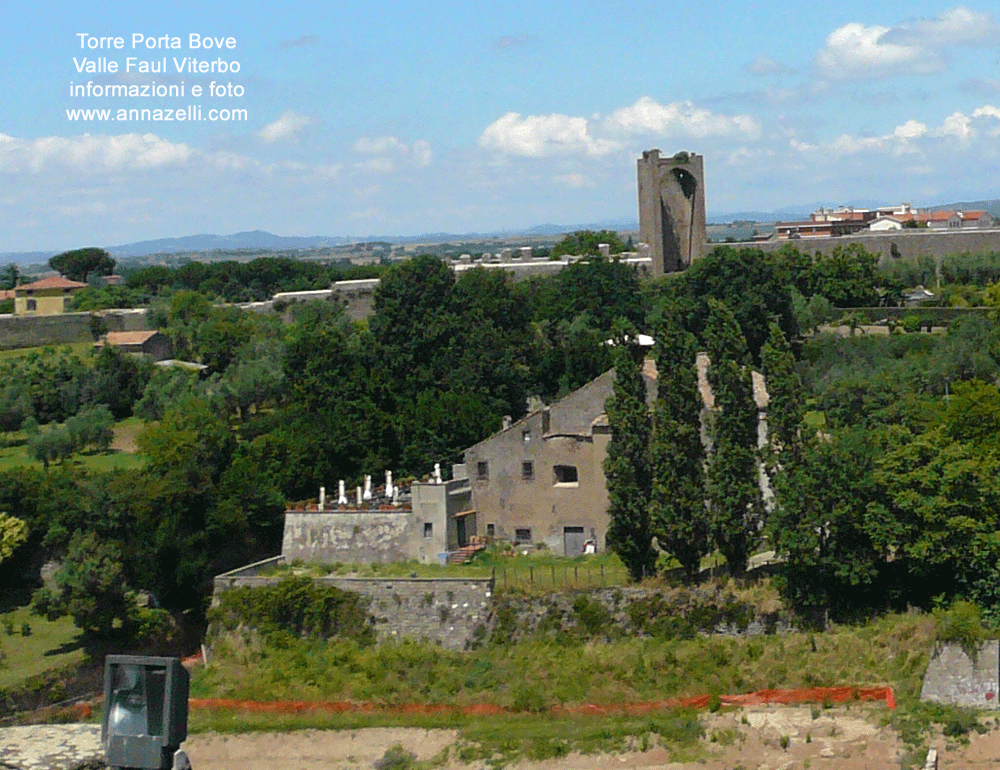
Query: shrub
pixel 396 758
pixel 297 606
pixel 960 624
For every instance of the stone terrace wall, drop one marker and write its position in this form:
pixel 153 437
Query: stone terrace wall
pixel 32 331
pixel 952 677
pixel 449 611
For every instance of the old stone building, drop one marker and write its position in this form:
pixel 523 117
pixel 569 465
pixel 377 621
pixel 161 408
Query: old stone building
pixel 540 480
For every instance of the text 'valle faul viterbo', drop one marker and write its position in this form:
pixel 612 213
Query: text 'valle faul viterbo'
pixel 190 78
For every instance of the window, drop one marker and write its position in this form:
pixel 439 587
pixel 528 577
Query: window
pixel 527 471
pixel 522 535
pixel 482 469
pixel 565 475
pixel 66 302
pixel 32 305
pixel 526 436
pixel 491 530
pixel 428 529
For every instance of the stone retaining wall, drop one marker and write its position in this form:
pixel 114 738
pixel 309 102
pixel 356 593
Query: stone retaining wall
pixel 953 677
pixel 449 611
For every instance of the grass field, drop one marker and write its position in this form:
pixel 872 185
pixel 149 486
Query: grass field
pixel 17 456
pixel 14 452
pixel 81 349
pixel 52 644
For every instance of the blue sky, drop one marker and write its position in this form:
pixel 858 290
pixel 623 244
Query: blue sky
pixel 402 118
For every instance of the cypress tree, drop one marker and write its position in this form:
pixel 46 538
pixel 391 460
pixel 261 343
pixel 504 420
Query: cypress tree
pixel 627 465
pixel 678 515
pixel 785 407
pixel 733 482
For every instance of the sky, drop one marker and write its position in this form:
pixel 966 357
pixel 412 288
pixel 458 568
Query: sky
pixel 401 118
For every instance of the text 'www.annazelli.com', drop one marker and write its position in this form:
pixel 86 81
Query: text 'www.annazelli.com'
pixel 192 112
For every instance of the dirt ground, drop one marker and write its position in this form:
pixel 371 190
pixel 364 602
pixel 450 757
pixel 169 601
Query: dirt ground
pixel 750 738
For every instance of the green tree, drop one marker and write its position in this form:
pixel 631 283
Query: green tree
pixel 819 523
pixel 10 276
pixel 80 263
pixel 786 397
pixel 678 516
pixel 733 481
pixel 938 512
pixel 90 588
pixel 585 243
pixel 744 279
pixel 13 532
pixel 627 467
pixel 52 444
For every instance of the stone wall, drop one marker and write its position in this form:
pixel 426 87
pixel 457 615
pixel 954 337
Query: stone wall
pixel 362 537
pixel 64 328
pixel 910 243
pixel 449 611
pixel 953 677
pixel 607 613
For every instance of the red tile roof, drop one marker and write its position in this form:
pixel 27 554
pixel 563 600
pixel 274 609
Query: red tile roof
pixel 52 282
pixel 127 338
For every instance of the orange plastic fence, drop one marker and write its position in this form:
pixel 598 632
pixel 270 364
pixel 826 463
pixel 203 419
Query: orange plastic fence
pixel 807 695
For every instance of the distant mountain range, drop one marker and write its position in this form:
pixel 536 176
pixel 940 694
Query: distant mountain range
pixel 260 239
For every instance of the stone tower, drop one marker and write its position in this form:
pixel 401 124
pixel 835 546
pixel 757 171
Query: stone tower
pixel 672 209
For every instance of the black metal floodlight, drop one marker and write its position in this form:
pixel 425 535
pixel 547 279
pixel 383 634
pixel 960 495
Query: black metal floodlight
pixel 145 711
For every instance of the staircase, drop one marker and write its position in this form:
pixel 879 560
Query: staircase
pixel 464 554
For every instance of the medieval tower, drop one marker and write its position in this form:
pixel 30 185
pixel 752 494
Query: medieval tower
pixel 672 209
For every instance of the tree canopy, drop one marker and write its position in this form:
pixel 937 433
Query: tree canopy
pixel 80 263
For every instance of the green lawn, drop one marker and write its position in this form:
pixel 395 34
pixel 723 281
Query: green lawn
pixel 50 645
pixel 17 456
pixel 82 349
pixel 14 452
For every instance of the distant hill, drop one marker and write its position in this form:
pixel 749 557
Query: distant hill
pixel 262 240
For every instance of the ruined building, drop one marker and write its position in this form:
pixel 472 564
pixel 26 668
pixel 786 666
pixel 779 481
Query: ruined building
pixel 672 209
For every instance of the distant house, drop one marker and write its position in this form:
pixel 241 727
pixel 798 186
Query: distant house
pixel 149 343
pixel 49 296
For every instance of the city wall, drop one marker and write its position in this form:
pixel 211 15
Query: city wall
pixel 909 243
pixel 64 328
pixel 449 611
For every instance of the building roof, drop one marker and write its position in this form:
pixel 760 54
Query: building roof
pixel 52 282
pixel 6 294
pixel 127 338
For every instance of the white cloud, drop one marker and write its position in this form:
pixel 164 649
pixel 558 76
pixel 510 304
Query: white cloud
pixel 540 135
pixel 647 116
pixel 378 145
pixel 535 136
pixel 87 153
pixel 765 65
pixel 421 151
pixel 859 51
pixel 388 151
pixel 285 127
pixel 958 26
pixel 910 138
pixel 572 180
